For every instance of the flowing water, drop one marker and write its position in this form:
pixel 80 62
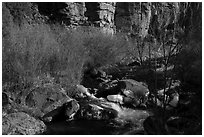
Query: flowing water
pixel 128 122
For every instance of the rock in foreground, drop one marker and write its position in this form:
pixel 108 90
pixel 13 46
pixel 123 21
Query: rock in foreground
pixel 45 102
pixel 21 123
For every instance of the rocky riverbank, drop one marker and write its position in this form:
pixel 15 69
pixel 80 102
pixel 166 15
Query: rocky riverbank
pixel 116 104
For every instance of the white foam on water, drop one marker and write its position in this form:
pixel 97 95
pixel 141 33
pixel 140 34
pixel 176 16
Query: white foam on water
pixel 127 115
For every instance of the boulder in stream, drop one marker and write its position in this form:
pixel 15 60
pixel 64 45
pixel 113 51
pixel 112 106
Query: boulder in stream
pixel 137 91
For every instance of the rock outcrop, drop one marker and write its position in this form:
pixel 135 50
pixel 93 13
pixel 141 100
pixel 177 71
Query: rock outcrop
pixel 143 18
pixel 137 19
pixel 130 17
pixel 45 102
pixel 98 14
pixel 133 17
pixel 68 13
pixel 74 12
pixel 21 123
pixel 101 14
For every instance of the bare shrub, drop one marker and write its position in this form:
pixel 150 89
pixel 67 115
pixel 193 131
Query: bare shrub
pixel 37 50
pixel 104 49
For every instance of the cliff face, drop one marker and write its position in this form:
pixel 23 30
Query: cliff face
pixel 98 14
pixel 101 14
pixel 143 18
pixel 133 17
pixel 69 13
pixel 137 18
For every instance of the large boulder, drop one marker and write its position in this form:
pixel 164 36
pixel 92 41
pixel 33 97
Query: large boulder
pixel 108 88
pixel 21 123
pixel 136 91
pixel 93 108
pixel 45 102
pixel 96 110
pixel 127 91
pixel 83 91
pixel 92 111
pixel 115 98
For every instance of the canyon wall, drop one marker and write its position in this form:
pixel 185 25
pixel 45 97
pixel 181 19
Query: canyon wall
pixel 137 18
pixel 132 18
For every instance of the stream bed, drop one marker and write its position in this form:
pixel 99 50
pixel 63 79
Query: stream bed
pixel 127 123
